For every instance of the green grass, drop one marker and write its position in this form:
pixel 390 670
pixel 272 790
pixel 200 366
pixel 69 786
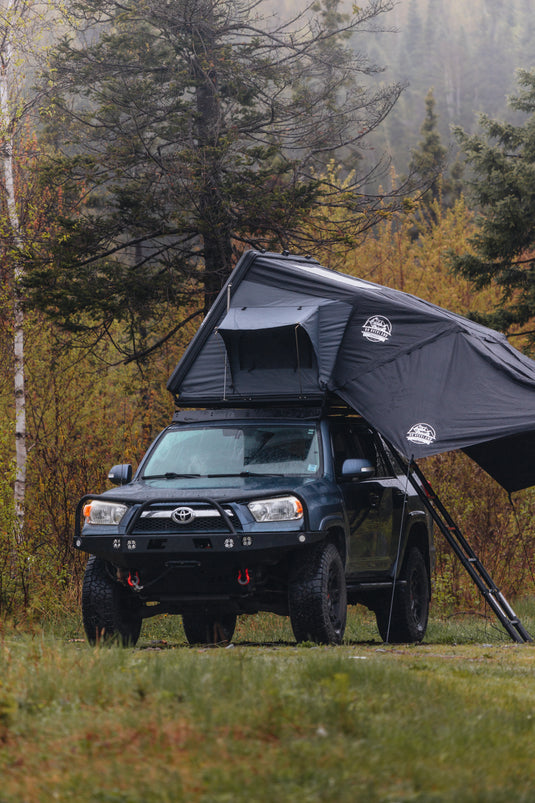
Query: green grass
pixel 452 719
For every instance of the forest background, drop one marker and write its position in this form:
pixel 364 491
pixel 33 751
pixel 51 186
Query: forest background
pixel 88 404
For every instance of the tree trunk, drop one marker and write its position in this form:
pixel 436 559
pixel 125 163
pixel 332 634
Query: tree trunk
pixel 18 314
pixel 20 415
pixel 214 216
pixel 217 241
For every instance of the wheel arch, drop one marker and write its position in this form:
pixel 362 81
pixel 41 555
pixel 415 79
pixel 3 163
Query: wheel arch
pixel 336 535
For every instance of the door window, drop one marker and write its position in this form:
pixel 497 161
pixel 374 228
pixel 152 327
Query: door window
pixel 354 439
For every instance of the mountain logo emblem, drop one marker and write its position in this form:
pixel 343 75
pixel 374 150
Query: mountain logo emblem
pixel 422 434
pixel 377 329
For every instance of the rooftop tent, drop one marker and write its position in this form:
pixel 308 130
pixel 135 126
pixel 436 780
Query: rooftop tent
pixel 291 348
pixel 285 328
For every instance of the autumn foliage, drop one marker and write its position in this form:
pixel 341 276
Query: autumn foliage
pixel 88 410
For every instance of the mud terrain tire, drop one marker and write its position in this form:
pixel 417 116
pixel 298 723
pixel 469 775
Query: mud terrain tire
pixel 317 596
pixel 109 610
pixel 202 628
pixel 410 608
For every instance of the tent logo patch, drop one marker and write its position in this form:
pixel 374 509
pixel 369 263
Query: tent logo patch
pixel 423 434
pixel 377 329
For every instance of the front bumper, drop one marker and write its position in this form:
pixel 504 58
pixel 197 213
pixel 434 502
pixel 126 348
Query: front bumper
pixel 227 538
pixel 194 549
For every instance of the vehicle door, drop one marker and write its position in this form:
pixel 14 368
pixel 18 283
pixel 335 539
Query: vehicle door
pixel 372 505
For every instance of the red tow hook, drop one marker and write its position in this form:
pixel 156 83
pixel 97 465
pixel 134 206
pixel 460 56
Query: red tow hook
pixel 134 582
pixel 243 577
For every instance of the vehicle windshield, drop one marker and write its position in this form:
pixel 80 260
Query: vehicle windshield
pixel 236 450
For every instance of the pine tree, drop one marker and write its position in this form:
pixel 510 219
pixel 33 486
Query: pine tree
pixel 428 159
pixel 502 159
pixel 196 129
pixel 429 163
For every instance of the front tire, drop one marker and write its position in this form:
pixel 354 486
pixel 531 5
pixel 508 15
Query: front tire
pixel 208 629
pixel 410 609
pixel 317 596
pixel 109 610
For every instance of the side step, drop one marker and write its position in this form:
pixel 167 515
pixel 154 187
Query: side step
pixel 467 556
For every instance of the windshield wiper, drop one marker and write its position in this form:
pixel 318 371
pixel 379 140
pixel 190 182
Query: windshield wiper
pixel 169 475
pixel 246 474
pixel 172 475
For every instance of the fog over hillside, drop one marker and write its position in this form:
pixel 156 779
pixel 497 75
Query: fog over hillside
pixel 468 53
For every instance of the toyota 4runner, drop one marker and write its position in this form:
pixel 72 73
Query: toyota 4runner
pixel 235 511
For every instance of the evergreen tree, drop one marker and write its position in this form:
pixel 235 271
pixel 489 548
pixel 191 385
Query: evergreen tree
pixel 502 159
pixel 196 129
pixel 428 159
pixel 428 162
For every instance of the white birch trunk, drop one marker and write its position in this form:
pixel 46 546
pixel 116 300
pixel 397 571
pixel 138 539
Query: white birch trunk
pixel 6 146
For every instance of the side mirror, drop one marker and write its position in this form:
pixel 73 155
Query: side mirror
pixel 357 469
pixel 120 475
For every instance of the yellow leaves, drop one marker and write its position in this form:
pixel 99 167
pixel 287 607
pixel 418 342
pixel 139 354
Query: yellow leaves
pixel 409 205
pixel 407 249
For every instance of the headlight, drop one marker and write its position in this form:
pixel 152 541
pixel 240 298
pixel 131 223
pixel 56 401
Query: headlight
pixel 97 512
pixel 285 508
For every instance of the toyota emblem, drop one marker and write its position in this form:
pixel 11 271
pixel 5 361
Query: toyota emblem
pixel 183 515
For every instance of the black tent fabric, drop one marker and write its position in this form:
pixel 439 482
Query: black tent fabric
pixel 285 329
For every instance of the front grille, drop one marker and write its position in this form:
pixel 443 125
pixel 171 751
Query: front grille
pixel 199 525
pixel 205 519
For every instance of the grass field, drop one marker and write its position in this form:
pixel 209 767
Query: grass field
pixel 452 719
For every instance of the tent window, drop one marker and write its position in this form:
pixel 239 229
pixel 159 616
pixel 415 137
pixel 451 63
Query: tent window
pixel 281 348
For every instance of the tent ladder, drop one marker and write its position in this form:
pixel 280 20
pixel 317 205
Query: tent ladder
pixel 467 556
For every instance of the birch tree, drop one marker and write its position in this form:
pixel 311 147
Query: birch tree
pixel 21 24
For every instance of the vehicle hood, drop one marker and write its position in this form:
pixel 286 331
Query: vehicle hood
pixel 231 489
